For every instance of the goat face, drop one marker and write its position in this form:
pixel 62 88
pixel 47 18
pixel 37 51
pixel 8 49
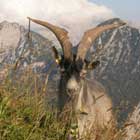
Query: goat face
pixel 70 82
pixel 73 81
pixel 66 72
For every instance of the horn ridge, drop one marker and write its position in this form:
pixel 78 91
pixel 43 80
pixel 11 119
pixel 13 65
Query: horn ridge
pixel 61 34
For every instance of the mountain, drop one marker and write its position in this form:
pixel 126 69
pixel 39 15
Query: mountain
pixel 119 71
pixel 22 52
pixel 15 44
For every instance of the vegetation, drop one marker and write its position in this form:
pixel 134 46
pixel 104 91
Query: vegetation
pixel 24 114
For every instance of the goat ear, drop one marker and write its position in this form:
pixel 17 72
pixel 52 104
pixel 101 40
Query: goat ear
pixel 56 55
pixel 93 65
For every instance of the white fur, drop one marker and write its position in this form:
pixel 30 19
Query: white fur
pixel 72 84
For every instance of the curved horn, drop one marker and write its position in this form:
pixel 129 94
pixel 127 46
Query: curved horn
pixel 61 34
pixel 90 36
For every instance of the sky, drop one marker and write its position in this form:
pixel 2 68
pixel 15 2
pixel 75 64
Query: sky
pixel 74 15
pixel 125 9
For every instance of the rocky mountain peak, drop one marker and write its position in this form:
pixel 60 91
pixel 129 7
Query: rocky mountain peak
pixel 10 35
pixel 113 20
pixel 14 42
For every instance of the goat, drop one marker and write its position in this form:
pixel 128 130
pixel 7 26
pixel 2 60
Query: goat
pixel 90 101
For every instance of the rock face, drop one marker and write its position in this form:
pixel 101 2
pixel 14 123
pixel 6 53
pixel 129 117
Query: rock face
pixel 14 44
pixel 119 71
pixel 10 35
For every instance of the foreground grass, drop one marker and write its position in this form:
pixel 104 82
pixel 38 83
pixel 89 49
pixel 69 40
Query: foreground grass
pixel 24 114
